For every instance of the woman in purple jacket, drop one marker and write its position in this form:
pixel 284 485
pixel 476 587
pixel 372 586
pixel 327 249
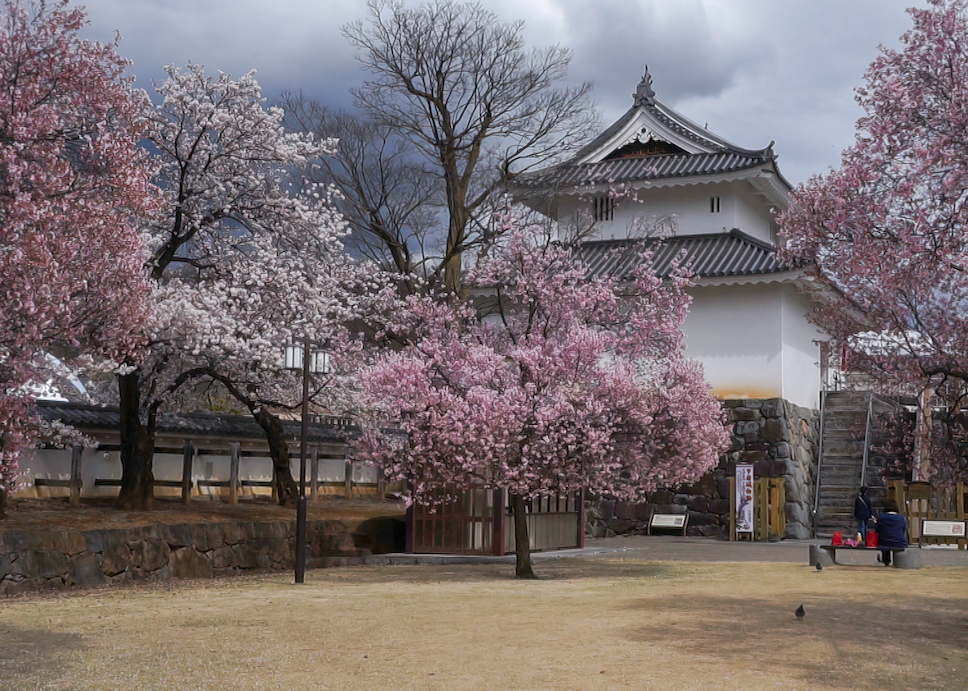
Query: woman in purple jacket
pixel 891 531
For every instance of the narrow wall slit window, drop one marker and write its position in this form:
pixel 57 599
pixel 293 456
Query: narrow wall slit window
pixel 714 205
pixel 603 208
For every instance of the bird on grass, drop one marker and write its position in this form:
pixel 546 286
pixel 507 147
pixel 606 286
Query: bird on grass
pixel 799 613
pixel 819 566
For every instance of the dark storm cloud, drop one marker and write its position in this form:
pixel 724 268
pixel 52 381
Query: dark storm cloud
pixel 754 70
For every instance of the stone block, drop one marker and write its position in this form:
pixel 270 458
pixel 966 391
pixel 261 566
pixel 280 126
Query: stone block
pixel 661 496
pixel 625 511
pixel 773 408
pixel 43 564
pixel 619 526
pixel 115 559
pixel 908 559
pixel 100 540
pixel 5 565
pixel 207 536
pixel 223 558
pixel 744 415
pixel 699 504
pixel 14 540
pixel 722 487
pixel 643 511
pixel 178 535
pixel 85 572
pixel 784 450
pixel 234 533
pixel 719 506
pixel 820 556
pixel 186 562
pixel 608 509
pixel 245 558
pixel 796 513
pixel 796 531
pixel 748 429
pixel 775 430
pixel 149 554
pixel 273 530
pixel 710 530
pixel 701 519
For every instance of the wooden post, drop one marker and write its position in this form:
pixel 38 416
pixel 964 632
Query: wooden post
pixel 234 473
pixel 732 509
pixel 314 471
pixel 75 484
pixel 381 484
pixel 498 524
pixel 188 455
pixel 580 500
pixel 348 478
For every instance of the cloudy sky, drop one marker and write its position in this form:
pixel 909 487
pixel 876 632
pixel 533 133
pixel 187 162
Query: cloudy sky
pixel 754 70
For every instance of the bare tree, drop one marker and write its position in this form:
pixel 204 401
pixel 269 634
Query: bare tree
pixel 461 87
pixel 391 198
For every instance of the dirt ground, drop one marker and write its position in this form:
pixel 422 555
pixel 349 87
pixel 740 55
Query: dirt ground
pixel 99 513
pixel 587 624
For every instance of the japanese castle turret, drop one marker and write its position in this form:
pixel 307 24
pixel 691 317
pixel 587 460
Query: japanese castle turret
pixel 656 169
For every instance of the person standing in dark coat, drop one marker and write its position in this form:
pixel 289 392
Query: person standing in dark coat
pixel 862 511
pixel 891 531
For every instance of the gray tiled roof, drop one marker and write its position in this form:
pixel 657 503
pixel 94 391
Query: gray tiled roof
pixel 88 417
pixel 658 167
pixel 715 255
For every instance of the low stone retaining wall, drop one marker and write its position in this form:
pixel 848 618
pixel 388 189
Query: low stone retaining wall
pixel 778 438
pixel 45 559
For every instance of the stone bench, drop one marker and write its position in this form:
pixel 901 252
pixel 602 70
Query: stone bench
pixel 826 555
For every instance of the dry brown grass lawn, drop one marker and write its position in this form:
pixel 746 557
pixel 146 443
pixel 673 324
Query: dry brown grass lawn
pixel 587 625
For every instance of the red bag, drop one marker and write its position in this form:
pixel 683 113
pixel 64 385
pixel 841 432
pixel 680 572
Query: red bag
pixel 871 538
pixel 837 539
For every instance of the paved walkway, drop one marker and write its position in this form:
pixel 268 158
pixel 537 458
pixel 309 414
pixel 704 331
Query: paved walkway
pixel 668 548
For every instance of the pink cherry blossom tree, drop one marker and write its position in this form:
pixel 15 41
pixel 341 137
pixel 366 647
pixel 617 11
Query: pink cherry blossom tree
pixel 885 234
pixel 72 180
pixel 544 381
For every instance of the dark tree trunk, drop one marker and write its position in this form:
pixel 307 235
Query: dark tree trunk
pixel 137 449
pixel 522 543
pixel 286 488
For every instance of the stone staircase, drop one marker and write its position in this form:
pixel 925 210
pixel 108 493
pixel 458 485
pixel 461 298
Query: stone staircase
pixel 842 459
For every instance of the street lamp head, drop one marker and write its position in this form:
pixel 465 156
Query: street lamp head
pixel 318 359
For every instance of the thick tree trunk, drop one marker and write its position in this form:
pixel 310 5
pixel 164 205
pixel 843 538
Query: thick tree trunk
pixel 285 485
pixel 137 449
pixel 522 543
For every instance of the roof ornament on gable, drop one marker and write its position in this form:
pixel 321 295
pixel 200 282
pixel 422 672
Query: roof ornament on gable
pixel 644 95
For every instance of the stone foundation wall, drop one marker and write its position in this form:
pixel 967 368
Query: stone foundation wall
pixel 39 559
pixel 778 438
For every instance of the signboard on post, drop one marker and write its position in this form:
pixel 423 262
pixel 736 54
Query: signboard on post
pixel 744 499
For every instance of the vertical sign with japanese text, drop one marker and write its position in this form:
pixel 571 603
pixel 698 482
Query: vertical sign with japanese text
pixel 744 499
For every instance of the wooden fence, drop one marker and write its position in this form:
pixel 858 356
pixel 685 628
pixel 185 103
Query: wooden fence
pixel 769 509
pixel 478 521
pixel 195 477
pixel 919 501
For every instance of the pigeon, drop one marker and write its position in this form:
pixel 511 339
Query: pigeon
pixel 800 612
pixel 819 566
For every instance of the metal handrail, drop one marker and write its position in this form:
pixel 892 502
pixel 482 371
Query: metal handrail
pixel 867 437
pixel 816 491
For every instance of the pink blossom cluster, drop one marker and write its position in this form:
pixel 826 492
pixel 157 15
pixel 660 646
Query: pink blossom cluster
pixel 886 234
pixel 544 381
pixel 73 183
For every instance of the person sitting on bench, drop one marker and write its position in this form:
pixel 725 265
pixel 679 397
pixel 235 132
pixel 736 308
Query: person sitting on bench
pixel 891 532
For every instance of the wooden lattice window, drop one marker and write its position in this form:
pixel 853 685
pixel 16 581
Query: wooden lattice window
pixel 603 208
